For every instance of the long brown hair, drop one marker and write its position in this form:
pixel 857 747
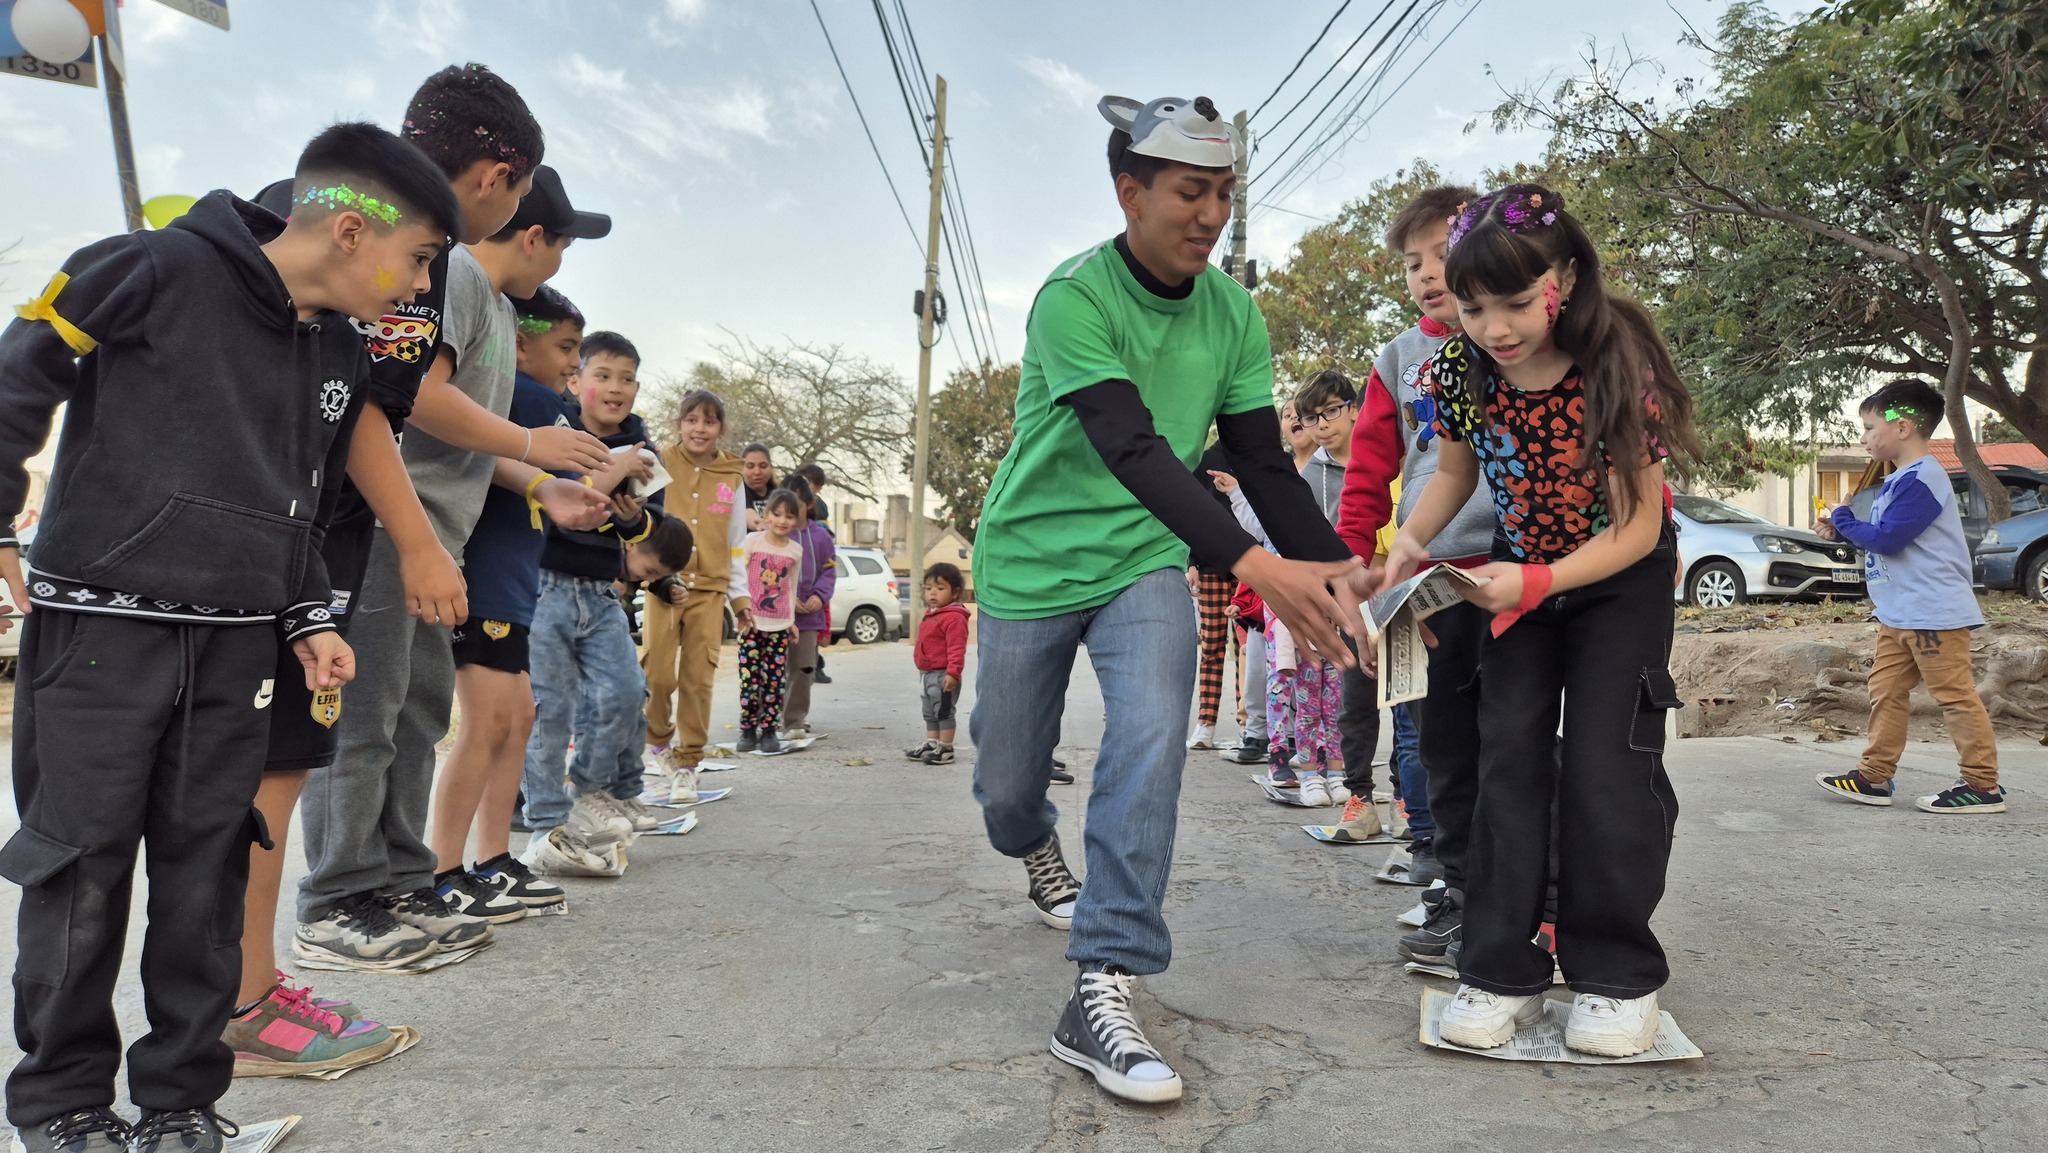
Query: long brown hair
pixel 1505 242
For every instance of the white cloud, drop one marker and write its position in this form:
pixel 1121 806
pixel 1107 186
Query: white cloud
pixel 589 77
pixel 647 117
pixel 685 11
pixel 1061 79
pixel 429 27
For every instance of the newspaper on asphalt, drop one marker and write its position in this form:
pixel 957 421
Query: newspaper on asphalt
pixel 1544 1040
pixel 1394 619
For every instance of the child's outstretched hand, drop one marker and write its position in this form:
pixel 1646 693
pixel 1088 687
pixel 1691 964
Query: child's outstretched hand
pixel 742 617
pixel 327 659
pixel 1403 560
pixel 558 448
pixel 952 683
pixel 1223 481
pixel 572 504
pixel 1824 526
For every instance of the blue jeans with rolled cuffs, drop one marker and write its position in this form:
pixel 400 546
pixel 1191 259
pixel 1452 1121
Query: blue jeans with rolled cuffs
pixel 581 650
pixel 1138 646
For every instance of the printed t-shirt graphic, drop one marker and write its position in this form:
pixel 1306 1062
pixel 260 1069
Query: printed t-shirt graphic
pixel 771 581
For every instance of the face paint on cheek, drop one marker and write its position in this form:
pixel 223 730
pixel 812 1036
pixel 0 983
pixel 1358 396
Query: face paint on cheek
pixel 1550 303
pixel 386 279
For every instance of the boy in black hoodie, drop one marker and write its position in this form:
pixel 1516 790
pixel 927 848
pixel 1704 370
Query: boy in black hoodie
pixel 212 377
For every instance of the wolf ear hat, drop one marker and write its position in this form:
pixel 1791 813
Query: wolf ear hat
pixel 1175 128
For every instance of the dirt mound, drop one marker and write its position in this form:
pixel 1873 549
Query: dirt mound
pixel 1800 671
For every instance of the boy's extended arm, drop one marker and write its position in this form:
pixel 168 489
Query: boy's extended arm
pixel 569 503
pixel 1376 452
pixel 1905 517
pixel 101 297
pixel 447 413
pixel 434 589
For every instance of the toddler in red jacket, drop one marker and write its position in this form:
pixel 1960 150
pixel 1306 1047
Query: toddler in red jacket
pixel 941 658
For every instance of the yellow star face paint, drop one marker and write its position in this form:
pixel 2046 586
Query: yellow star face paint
pixel 386 279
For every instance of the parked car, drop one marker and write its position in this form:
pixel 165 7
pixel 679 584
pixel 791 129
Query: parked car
pixel 2013 554
pixel 867 603
pixel 1729 556
pixel 2025 488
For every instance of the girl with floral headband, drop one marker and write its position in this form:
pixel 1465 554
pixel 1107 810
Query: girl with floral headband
pixel 1566 399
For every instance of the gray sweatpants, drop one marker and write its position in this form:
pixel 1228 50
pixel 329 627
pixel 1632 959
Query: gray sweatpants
pixel 365 818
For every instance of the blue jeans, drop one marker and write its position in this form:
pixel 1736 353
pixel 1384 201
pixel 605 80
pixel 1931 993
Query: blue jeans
pixel 1137 645
pixel 1408 770
pixel 580 647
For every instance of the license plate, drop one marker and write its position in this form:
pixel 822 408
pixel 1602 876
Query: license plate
pixel 1847 576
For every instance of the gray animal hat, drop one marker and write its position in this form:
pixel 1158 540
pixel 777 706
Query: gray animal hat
pixel 1174 128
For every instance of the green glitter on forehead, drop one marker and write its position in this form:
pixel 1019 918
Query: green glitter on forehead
pixel 535 326
pixel 1900 412
pixel 342 198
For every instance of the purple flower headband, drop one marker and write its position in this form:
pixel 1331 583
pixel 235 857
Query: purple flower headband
pixel 1520 212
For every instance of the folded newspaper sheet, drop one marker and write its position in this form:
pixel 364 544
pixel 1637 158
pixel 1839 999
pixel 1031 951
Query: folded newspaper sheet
pixel 1544 1041
pixel 1394 619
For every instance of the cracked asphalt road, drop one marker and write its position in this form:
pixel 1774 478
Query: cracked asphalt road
pixel 835 960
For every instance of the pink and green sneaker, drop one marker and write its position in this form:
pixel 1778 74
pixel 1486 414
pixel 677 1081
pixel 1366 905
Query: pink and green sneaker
pixel 289 1034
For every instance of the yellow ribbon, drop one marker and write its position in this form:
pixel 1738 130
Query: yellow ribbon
pixel 44 307
pixel 533 502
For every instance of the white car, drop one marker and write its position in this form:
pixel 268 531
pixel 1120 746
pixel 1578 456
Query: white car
pixel 866 606
pixel 1731 556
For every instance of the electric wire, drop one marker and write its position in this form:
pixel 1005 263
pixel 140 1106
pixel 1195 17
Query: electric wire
pixel 1297 64
pixel 864 127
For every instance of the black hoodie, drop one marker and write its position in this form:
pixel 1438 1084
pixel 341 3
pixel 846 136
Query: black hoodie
pixel 205 425
pixel 599 554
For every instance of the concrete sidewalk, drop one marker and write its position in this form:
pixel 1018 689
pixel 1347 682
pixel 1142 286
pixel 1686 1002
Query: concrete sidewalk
pixel 837 961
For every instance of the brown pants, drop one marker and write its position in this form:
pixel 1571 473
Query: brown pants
pixel 1942 660
pixel 803 665
pixel 680 660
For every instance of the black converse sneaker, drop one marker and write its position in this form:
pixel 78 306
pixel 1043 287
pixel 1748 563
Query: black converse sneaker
pixel 510 876
pixel 181 1131
pixel 1099 1033
pixel 1053 888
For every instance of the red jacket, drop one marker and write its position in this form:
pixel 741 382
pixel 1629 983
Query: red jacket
pixel 1376 451
pixel 1251 611
pixel 942 640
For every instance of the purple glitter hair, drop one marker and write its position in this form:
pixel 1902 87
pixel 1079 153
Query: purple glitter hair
pixel 1521 207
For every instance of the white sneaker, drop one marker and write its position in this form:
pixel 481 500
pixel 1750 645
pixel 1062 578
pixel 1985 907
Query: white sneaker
pixel 645 816
pixel 799 733
pixel 1477 1019
pixel 560 853
pixel 1314 793
pixel 654 760
pixel 682 790
pixel 1612 1026
pixel 1204 738
pixel 1339 792
pixel 596 820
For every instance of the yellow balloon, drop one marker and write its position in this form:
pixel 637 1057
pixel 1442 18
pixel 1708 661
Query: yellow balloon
pixel 161 210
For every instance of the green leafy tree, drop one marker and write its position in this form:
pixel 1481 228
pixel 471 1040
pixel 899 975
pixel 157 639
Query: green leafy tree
pixel 1854 195
pixel 972 420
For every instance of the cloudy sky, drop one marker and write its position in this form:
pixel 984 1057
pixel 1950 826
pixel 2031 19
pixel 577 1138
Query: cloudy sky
pixel 719 137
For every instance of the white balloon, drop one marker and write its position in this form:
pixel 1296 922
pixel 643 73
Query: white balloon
pixel 51 30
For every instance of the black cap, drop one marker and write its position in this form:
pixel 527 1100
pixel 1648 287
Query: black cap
pixel 548 206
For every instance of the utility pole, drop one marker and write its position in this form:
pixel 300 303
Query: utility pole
pixel 117 117
pixel 923 435
pixel 1240 204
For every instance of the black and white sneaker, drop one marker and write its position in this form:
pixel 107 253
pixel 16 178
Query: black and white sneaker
pixel 510 876
pixel 1423 867
pixel 1053 887
pixel 1100 1033
pixel 181 1131
pixel 451 929
pixel 1446 925
pixel 97 1130
pixel 361 935
pixel 469 894
pixel 1248 751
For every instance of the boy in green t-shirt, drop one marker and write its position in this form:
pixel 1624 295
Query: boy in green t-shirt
pixel 1133 349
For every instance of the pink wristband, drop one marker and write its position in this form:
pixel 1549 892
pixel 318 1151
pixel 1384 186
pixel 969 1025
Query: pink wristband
pixel 1536 580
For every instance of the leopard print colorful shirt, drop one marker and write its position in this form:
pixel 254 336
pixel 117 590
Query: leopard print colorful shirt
pixel 1529 446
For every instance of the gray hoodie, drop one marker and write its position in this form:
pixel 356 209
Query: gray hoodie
pixel 1470 533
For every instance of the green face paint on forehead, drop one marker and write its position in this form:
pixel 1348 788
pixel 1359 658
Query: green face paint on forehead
pixel 1900 412
pixel 340 197
pixel 535 326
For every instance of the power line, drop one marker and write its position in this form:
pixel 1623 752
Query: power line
pixel 1298 63
pixel 1334 65
pixel 864 126
pixel 1270 204
pixel 1342 88
pixel 1326 131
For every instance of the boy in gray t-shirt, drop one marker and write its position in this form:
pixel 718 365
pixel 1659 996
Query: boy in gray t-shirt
pixel 368 864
